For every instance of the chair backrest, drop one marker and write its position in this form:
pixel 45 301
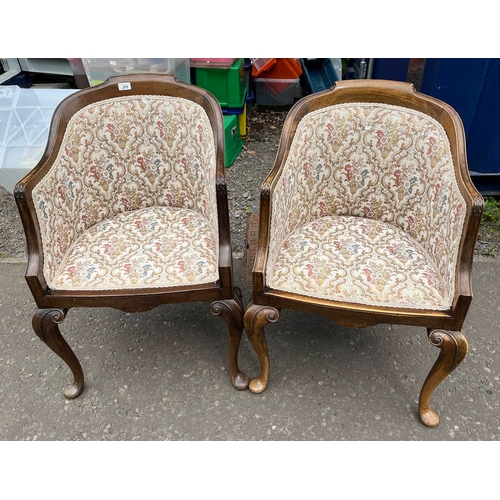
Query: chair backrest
pixel 378 161
pixel 121 154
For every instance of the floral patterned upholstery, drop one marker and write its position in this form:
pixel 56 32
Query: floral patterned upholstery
pixel 367 209
pixel 130 200
pixel 149 247
pixel 352 259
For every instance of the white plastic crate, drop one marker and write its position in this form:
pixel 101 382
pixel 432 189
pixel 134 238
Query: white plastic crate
pixel 25 116
pixel 276 92
pixel 98 70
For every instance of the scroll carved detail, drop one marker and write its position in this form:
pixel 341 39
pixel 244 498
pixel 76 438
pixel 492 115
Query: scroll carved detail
pixel 231 311
pixel 45 325
pixel 454 348
pixel 221 185
pixel 256 317
pixel 477 207
pixel 265 191
pixel 19 193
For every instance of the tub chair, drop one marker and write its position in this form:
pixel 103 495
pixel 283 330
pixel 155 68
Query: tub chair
pixel 128 209
pixel 369 216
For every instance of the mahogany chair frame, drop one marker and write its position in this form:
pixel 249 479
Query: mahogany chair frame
pixel 53 305
pixel 443 327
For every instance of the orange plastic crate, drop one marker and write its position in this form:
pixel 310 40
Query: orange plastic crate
pixel 277 78
pixel 259 65
pixel 283 69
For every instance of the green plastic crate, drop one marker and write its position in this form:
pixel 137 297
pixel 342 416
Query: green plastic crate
pixel 232 139
pixel 226 84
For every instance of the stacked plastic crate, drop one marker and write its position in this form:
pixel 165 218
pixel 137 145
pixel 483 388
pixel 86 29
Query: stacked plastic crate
pixel 98 70
pixel 320 74
pixel 225 79
pixel 277 81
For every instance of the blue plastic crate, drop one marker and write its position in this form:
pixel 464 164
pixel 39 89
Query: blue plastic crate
pixel 318 74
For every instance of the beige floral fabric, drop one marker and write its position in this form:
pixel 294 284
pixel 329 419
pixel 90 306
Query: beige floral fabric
pixel 119 156
pixel 149 247
pixel 375 162
pixel 353 259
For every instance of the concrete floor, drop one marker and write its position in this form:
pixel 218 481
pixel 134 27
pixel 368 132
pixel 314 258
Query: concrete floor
pixel 162 375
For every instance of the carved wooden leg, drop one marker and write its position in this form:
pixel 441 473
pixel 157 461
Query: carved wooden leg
pixel 231 311
pixel 45 324
pixel 453 347
pixel 256 317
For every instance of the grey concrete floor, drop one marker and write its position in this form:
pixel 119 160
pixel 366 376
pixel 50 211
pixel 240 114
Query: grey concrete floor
pixel 162 375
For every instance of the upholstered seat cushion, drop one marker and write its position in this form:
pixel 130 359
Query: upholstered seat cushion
pixel 358 260
pixel 148 247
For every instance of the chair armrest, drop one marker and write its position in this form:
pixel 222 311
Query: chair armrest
pixel 475 208
pixel 296 113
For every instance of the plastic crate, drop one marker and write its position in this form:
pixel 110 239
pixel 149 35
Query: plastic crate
pixel 98 70
pixel 227 85
pixel 25 116
pixel 236 105
pixel 232 139
pixel 242 122
pixel 319 74
pixel 283 69
pixel 241 113
pixel 276 92
pixel 212 63
pixel 259 65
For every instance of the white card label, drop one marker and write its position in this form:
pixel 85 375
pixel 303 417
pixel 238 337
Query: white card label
pixel 124 86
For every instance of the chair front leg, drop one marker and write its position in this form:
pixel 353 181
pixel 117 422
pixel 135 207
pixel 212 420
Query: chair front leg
pixel 231 311
pixel 454 348
pixel 45 323
pixel 256 317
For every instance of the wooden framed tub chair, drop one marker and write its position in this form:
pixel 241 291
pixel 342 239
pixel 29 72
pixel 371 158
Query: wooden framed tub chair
pixel 128 209
pixel 369 216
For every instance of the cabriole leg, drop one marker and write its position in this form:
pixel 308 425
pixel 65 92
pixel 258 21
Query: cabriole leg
pixel 45 324
pixel 231 311
pixel 453 347
pixel 256 317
